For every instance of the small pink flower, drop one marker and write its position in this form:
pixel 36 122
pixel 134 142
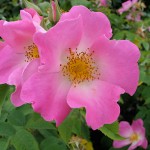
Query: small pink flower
pixel 103 2
pixel 134 134
pixel 126 6
pixel 19 56
pixel 82 68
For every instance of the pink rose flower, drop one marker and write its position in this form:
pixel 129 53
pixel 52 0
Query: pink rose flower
pixel 134 134
pixel 126 6
pixel 82 68
pixel 19 56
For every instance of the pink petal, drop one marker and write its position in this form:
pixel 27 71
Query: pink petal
pixel 2 45
pixel 9 61
pixel 120 10
pixel 31 15
pixel 15 97
pixel 15 79
pixel 20 34
pixel 137 127
pixel 21 75
pixel 133 146
pixel 126 5
pixel 100 100
pixel 103 2
pixel 54 44
pixel 95 24
pixel 141 142
pixel 138 17
pixel 117 62
pixel 134 1
pixel 129 16
pixel 145 143
pixel 125 129
pixel 30 69
pixel 119 144
pixel 47 93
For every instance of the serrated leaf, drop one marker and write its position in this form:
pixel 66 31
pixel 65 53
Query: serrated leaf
pixel 111 130
pixel 53 143
pixel 24 140
pixel 6 129
pixel 16 117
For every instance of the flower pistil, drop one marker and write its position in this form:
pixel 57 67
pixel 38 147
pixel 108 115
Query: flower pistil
pixel 80 67
pixel 31 52
pixel 134 137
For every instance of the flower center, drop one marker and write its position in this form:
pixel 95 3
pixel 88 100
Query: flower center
pixel 31 52
pixel 80 67
pixel 134 137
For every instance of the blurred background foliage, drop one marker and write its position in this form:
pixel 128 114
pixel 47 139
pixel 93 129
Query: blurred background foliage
pixel 22 129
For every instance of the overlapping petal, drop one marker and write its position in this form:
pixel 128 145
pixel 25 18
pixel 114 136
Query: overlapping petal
pixel 100 100
pixel 9 62
pixel 49 91
pixel 17 36
pixel 95 25
pixel 49 95
pixel 125 129
pixel 117 62
pixel 54 44
pixel 119 144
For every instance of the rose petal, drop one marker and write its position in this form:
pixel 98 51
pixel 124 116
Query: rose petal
pixel 125 129
pixel 117 62
pixel 95 25
pixel 119 144
pixel 18 38
pixel 100 100
pixel 9 62
pixel 54 44
pixel 47 93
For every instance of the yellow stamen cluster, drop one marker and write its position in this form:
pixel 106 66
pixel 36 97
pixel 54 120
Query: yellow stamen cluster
pixel 80 67
pixel 134 137
pixel 31 52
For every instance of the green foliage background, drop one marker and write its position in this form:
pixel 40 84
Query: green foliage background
pixel 22 129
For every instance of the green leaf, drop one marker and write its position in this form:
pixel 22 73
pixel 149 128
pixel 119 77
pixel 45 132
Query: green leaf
pixel 80 2
pixel 6 129
pixel 145 45
pixel 37 122
pixel 73 124
pixel 144 77
pixel 4 143
pixel 48 133
pixel 111 130
pixel 53 143
pixel 24 140
pixel 146 94
pixel 3 93
pixel 16 117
